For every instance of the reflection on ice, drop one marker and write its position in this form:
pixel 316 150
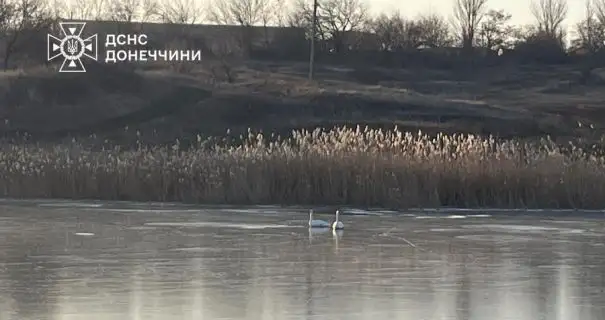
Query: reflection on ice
pixel 524 228
pixel 71 205
pixel 204 264
pixel 85 234
pixel 151 210
pixel 495 237
pixel 216 225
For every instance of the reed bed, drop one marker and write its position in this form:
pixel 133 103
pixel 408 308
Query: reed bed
pixel 361 167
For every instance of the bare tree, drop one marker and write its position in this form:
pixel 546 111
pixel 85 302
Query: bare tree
pixel 434 31
pixel 598 9
pixel 549 15
pixel 241 12
pixel 388 30
pixel 84 10
pixel 467 17
pixel 271 15
pixel 298 15
pixel 341 17
pixel 495 30
pixel 181 15
pixel 301 16
pixel 336 19
pixel 180 11
pixel 590 31
pixel 280 13
pixel 246 14
pixel 123 11
pixel 227 55
pixel 132 10
pixel 590 34
pixel 20 20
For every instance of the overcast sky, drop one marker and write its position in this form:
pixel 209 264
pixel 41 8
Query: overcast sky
pixel 520 9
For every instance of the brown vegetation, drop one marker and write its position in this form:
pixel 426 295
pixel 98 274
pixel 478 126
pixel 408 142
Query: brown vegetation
pixel 342 166
pixel 163 105
pixel 377 71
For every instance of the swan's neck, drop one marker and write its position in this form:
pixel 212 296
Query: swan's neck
pixel 310 216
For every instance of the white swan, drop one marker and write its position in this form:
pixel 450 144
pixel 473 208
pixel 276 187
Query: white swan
pixel 317 223
pixel 337 225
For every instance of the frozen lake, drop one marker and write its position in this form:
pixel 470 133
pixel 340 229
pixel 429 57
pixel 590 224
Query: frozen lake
pixel 96 260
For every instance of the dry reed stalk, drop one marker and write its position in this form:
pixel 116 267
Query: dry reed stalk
pixel 361 167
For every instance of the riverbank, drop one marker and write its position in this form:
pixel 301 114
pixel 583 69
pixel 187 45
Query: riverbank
pixel 158 106
pixel 361 167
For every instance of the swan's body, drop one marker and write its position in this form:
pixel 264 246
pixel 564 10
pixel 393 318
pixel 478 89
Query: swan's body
pixel 317 223
pixel 337 225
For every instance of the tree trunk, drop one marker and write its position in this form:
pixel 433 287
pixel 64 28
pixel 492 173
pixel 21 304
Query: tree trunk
pixel 10 46
pixel 338 42
pixel 5 61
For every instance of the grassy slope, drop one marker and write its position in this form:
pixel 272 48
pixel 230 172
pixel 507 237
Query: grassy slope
pixel 162 106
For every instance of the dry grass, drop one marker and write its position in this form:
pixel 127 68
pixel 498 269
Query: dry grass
pixel 342 166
